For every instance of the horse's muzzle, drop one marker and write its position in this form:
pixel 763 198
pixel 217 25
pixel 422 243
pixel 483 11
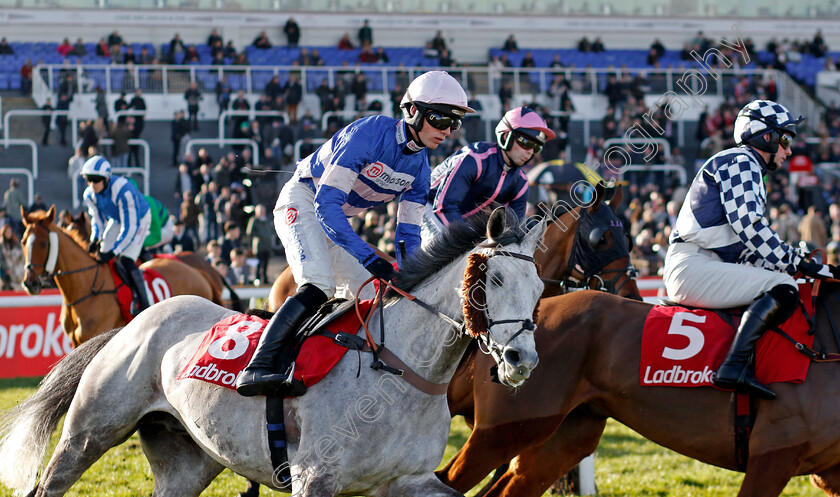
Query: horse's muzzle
pixel 516 366
pixel 32 285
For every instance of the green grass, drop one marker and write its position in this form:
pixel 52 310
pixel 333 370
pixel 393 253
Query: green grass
pixel 626 465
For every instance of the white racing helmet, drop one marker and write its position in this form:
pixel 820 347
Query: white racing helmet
pixel 97 166
pixel 434 92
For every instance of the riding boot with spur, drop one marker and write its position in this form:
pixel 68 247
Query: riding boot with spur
pixel 260 376
pixel 767 311
pixel 137 283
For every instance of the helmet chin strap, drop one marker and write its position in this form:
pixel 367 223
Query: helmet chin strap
pixel 415 139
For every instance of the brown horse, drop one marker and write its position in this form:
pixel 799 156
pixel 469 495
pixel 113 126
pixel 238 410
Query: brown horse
pixel 589 345
pixel 86 285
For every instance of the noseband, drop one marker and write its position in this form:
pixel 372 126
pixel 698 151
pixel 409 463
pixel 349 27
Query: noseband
pixel 477 321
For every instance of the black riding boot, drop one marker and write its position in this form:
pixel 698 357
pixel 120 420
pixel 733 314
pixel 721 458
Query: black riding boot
pixel 137 284
pixel 260 377
pixel 771 309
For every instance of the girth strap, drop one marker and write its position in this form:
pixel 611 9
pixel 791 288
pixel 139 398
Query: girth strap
pixel 743 424
pixel 275 425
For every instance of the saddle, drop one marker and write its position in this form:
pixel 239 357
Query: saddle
pixel 682 346
pixel 322 340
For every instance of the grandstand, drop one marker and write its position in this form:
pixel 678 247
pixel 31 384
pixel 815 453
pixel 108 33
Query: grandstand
pixel 549 31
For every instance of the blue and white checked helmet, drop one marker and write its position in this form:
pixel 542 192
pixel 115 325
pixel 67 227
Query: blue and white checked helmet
pixel 97 166
pixel 761 117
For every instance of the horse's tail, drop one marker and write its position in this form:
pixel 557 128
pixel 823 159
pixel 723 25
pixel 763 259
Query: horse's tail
pixel 25 430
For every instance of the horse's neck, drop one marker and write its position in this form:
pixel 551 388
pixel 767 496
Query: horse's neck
pixel 424 341
pixel 71 256
pixel 557 246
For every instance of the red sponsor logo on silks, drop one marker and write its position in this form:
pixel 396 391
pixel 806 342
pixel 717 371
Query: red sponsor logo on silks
pixel 291 215
pixel 374 170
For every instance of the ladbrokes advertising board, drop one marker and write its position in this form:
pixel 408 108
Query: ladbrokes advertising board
pixel 31 338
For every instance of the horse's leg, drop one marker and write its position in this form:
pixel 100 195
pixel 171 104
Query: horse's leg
pixel 77 450
pixel 828 481
pixel 769 472
pixel 420 486
pixel 488 448
pixel 252 489
pixel 179 466
pixel 534 470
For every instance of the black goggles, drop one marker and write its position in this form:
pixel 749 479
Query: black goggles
pixel 94 179
pixel 439 120
pixel 785 140
pixel 528 143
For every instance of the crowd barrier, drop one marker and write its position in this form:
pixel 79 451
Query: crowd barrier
pixel 32 340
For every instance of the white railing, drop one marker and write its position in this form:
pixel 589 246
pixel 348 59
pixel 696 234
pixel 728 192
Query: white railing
pixel 126 112
pixel 308 141
pixel 221 142
pixel 30 180
pixel 250 114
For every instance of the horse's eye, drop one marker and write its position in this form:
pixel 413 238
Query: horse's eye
pixel 42 244
pixel 605 242
pixel 497 279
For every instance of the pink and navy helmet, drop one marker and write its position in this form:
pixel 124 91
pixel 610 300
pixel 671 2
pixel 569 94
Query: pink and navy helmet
pixel 523 121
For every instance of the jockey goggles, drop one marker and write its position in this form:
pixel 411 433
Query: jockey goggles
pixel 785 140
pixel 90 178
pixel 437 119
pixel 527 143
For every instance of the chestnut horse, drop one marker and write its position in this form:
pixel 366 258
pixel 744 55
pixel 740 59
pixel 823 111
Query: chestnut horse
pixel 591 342
pixel 79 228
pixel 86 285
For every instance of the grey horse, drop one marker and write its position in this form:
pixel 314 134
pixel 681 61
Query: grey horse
pixel 357 432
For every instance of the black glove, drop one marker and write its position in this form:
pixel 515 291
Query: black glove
pixel 381 268
pixel 93 247
pixel 104 256
pixel 814 269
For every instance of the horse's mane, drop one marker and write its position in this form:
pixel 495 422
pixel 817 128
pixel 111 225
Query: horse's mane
pixel 455 241
pixel 41 217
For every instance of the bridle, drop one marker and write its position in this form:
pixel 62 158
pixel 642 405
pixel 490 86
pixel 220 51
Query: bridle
pixel 486 344
pixel 484 337
pixel 591 263
pixel 49 270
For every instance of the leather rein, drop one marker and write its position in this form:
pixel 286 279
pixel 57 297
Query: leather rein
pixel 387 361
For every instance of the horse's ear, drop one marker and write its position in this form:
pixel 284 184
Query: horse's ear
pixel 50 214
pixel 497 224
pixel 535 235
pixel 618 196
pixel 599 193
pixel 23 214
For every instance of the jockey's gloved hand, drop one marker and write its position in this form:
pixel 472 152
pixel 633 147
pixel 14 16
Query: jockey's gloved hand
pixel 104 256
pixel 93 247
pixel 816 270
pixel 381 268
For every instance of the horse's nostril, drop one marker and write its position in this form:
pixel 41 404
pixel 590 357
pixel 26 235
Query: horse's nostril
pixel 512 357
